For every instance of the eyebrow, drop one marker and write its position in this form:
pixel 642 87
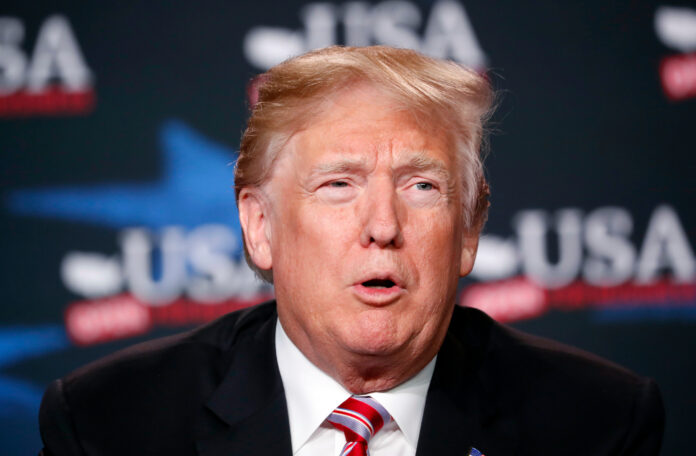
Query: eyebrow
pixel 340 166
pixel 418 161
pixel 422 162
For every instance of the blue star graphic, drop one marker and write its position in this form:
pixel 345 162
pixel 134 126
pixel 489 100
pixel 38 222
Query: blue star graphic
pixel 16 344
pixel 196 187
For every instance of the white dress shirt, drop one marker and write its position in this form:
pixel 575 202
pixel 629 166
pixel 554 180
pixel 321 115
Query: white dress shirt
pixel 312 395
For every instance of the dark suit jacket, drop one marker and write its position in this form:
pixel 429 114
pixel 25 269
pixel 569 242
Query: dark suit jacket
pixel 217 391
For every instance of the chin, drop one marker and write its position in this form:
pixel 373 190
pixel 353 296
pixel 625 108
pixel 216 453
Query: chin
pixel 374 343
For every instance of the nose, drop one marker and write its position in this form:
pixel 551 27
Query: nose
pixel 381 219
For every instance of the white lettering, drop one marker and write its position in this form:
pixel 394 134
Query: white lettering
pixel 497 258
pixel 676 27
pixel 450 34
pixel 13 62
pixel 210 250
pixel 358 23
pixel 395 23
pixel 57 56
pixel 92 275
pixel 531 231
pixel 665 246
pixel 138 250
pixel 320 25
pixel 611 255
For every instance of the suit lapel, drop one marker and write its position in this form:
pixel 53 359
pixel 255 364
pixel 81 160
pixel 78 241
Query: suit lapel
pixel 247 414
pixel 466 405
pixel 463 407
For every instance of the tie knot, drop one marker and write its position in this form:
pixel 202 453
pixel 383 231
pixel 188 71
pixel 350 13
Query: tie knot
pixel 359 417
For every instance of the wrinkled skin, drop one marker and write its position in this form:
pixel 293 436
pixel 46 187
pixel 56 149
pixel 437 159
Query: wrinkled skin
pixel 361 222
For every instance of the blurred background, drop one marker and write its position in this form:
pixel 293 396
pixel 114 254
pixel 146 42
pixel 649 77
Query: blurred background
pixel 119 122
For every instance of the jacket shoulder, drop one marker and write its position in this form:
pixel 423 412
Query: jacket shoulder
pixel 206 348
pixel 563 393
pixel 150 391
pixel 535 357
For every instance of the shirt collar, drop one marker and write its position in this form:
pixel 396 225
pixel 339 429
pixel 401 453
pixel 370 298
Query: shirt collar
pixel 406 402
pixel 312 395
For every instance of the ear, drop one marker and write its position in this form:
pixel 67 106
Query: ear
pixel 469 248
pixel 256 228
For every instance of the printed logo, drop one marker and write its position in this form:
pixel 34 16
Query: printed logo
pixel 447 31
pixel 180 259
pixel 596 266
pixel 676 28
pixel 52 79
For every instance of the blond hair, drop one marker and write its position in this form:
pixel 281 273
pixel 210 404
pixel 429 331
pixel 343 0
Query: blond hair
pixel 437 92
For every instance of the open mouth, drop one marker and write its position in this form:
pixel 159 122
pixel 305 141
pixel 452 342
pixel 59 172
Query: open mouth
pixel 379 283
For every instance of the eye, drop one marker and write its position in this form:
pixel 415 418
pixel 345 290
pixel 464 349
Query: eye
pixel 422 193
pixel 424 186
pixel 337 191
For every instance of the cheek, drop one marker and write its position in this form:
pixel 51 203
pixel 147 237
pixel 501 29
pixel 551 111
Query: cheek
pixel 329 229
pixel 314 239
pixel 436 252
pixel 434 237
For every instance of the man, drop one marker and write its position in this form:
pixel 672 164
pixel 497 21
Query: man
pixel 361 197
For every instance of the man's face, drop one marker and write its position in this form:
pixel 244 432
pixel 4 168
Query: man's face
pixel 365 234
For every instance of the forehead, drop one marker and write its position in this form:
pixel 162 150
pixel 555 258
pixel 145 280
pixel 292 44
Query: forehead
pixel 364 124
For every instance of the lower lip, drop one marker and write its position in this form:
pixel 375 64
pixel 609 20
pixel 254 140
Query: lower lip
pixel 377 296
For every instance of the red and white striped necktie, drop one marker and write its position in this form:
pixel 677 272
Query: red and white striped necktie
pixel 360 418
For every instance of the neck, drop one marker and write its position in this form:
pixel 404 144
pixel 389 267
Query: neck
pixel 364 380
pixel 363 374
pixel 365 361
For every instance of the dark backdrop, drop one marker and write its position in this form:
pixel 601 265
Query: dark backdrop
pixel 118 122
